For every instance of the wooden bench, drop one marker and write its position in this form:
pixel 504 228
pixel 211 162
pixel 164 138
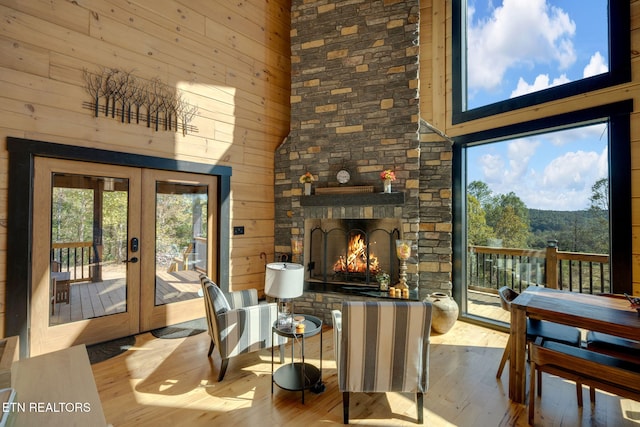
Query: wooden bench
pixel 596 370
pixel 621 348
pixel 60 282
pixel 180 263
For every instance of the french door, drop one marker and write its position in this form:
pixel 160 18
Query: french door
pixel 117 250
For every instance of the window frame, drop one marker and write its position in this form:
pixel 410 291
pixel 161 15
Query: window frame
pixel 618 117
pixel 619 13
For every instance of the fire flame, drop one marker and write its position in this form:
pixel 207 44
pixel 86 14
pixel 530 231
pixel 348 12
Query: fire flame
pixel 356 260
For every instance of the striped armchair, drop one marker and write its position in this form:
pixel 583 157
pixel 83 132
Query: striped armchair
pixel 237 325
pixel 382 346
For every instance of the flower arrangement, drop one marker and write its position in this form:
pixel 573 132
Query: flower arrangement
pixel 382 276
pixel 388 174
pixel 383 281
pixel 306 178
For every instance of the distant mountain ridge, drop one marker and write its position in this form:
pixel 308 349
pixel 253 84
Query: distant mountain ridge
pixel 581 231
pixel 545 220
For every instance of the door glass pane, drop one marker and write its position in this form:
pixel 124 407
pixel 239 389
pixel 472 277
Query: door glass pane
pixel 88 246
pixel 181 240
pixel 532 200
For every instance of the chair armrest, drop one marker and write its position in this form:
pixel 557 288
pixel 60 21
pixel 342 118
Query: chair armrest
pixel 337 335
pixel 337 320
pixel 247 329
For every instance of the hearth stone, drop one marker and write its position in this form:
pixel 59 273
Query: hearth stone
pixel 320 299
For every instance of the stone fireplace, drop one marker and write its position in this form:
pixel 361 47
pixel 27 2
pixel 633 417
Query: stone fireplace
pixel 350 251
pixel 355 105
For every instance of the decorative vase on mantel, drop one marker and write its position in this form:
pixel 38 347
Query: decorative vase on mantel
pixel 445 312
pixel 387 186
pixel 306 179
pixel 387 176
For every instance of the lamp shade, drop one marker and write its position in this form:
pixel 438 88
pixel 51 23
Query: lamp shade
pixel 284 280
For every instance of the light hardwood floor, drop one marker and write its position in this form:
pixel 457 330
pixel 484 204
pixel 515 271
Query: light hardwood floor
pixel 162 382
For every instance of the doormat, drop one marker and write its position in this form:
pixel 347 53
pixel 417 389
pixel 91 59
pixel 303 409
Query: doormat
pixel 106 350
pixel 181 330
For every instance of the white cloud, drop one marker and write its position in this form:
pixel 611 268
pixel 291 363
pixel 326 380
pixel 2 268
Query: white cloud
pixel 492 167
pixel 602 167
pixel 520 153
pixel 543 175
pixel 594 132
pixel 567 180
pixel 541 82
pixel 570 170
pixel 518 33
pixel 503 173
pixel 563 184
pixel 597 65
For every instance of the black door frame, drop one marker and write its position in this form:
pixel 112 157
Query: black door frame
pixel 22 153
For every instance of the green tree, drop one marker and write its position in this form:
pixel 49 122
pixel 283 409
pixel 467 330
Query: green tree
pixel 600 195
pixel 481 191
pixel 509 217
pixel 512 228
pixel 478 232
pixel 598 220
pixel 72 215
pixel 175 220
pixel 114 225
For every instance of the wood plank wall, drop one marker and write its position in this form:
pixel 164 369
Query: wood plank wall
pixel 436 75
pixel 231 59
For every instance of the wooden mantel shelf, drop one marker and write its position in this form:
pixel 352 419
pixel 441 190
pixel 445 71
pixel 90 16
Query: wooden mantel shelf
pixel 357 199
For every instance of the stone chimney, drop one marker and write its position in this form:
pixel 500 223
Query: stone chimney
pixel 355 106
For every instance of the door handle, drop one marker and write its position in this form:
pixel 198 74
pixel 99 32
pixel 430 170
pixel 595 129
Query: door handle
pixel 132 260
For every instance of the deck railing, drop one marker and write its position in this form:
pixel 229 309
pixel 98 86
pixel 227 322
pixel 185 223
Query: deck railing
pixel 80 260
pixel 489 268
pixel 77 258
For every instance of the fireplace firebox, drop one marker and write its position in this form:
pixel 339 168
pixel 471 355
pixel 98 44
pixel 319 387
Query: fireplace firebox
pixel 352 251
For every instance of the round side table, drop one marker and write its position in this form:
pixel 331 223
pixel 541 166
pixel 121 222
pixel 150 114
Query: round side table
pixel 298 376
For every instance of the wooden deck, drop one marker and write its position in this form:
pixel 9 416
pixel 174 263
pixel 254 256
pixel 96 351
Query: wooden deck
pixel 487 305
pixel 91 300
pixel 162 382
pixel 177 286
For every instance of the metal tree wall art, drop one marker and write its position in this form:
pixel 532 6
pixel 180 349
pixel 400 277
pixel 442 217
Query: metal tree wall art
pixel 120 94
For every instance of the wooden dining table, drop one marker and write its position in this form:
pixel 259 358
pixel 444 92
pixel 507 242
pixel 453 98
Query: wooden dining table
pixel 609 314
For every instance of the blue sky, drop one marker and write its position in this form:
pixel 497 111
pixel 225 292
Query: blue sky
pixel 520 46
pixel 553 171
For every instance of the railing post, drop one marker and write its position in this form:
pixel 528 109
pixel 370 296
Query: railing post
pixel 551 269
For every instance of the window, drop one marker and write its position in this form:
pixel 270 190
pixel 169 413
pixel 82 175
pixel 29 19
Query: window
pixel 589 186
pixel 526 52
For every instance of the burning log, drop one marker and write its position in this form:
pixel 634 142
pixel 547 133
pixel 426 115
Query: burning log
pixel 356 259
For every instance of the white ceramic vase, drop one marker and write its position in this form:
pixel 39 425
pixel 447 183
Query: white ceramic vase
pixel 387 186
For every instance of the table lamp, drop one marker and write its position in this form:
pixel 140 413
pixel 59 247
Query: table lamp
pixel 284 281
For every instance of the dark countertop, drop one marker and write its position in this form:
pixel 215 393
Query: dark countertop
pixel 359 290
